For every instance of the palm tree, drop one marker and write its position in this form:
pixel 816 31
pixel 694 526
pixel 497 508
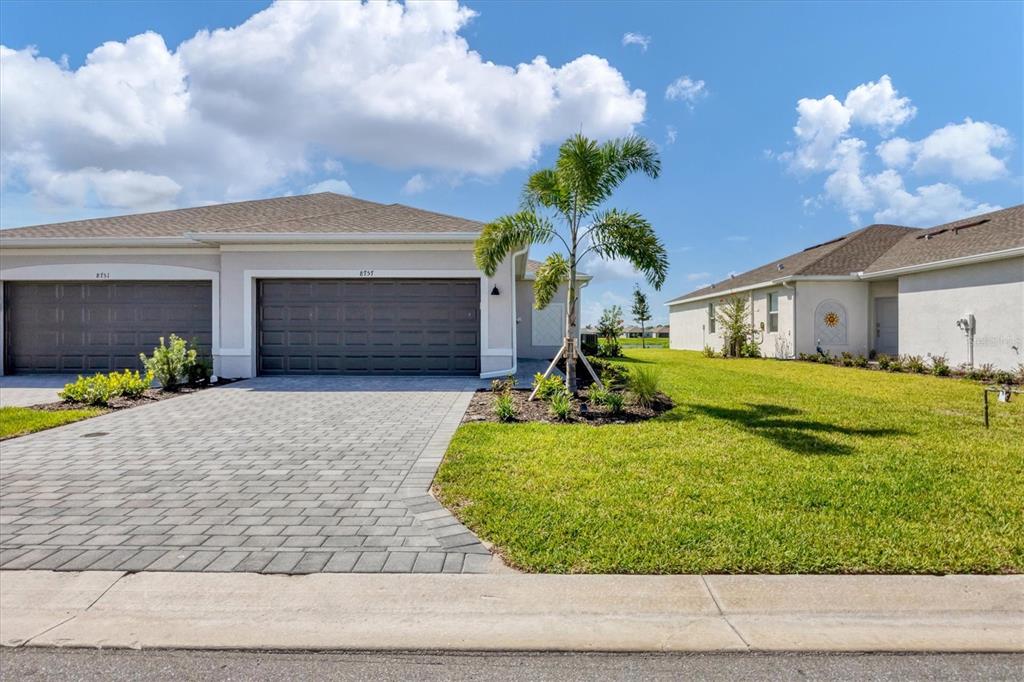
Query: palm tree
pixel 575 191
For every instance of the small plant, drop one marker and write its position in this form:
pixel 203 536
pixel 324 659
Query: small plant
pixel 883 361
pixel 505 407
pixel 200 371
pixel 980 372
pixel 846 359
pixel 94 390
pixel 614 402
pixel 914 363
pixel 129 384
pixel 709 352
pixel 561 405
pixel 171 363
pixel 750 349
pixel 860 361
pixel 503 385
pixel 940 366
pixel 1020 373
pixel 895 364
pixel 643 384
pixel 549 387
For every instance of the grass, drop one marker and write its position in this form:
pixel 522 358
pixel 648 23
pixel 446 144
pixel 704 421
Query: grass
pixel 763 467
pixel 19 421
pixel 649 343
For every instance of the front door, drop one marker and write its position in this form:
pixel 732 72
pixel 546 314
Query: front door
pixel 887 325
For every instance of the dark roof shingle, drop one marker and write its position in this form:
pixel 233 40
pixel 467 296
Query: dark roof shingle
pixel 324 212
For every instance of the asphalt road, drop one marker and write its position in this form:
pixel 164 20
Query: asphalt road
pixel 112 665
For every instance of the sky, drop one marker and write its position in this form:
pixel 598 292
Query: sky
pixel 779 125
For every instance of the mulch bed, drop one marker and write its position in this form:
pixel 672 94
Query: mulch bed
pixel 152 395
pixel 481 409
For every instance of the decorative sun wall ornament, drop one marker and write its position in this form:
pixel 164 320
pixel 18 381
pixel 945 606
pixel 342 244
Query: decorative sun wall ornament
pixel 830 323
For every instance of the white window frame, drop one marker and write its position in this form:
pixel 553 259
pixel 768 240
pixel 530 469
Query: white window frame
pixel 773 315
pixel 711 317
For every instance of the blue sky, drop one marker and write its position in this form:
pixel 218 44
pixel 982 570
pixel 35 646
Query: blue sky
pixel 908 113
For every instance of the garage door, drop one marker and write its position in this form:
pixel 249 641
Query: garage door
pixel 99 326
pixel 363 326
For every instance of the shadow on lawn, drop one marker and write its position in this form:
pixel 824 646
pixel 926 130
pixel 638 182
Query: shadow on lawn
pixel 802 436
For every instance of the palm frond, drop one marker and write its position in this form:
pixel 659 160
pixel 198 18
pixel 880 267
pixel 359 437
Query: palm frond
pixel 625 156
pixel 543 189
pixel 549 276
pixel 508 234
pixel 618 234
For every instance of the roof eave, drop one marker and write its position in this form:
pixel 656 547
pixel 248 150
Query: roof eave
pixel 946 263
pixel 765 283
pixel 92 242
pixel 328 237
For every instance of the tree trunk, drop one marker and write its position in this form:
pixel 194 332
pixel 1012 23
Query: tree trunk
pixel 643 335
pixel 570 330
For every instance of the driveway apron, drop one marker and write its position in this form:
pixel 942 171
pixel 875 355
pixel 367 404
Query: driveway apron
pixel 271 475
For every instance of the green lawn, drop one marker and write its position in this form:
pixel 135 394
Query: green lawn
pixel 650 343
pixel 18 421
pixel 763 467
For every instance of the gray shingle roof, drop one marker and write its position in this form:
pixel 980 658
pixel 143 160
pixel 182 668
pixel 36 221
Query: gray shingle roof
pixel 850 253
pixel 323 212
pixel 987 233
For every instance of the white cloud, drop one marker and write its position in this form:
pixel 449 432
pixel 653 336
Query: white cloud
pixel 686 89
pixel 415 184
pixel 692 276
pixel 640 39
pixel 825 143
pixel 332 185
pixel 671 134
pixel 235 111
pixel 878 105
pixel 615 268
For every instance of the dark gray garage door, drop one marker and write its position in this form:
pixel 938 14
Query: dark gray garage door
pixel 99 326
pixel 369 326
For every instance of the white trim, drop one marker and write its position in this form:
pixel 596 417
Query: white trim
pixel 197 250
pixel 497 373
pixel 342 247
pixel 123 272
pixel 765 284
pixel 93 242
pixel 947 263
pixel 327 237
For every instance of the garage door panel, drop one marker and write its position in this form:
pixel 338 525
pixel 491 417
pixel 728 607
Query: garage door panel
pixel 399 326
pixel 99 326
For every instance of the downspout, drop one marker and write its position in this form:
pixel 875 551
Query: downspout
pixel 515 313
pixel 792 287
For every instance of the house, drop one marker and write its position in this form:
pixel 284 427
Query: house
pixel 659 331
pixel 633 332
pixel 955 290
pixel 313 284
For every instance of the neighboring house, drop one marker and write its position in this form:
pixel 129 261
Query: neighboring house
pixel 955 290
pixel 657 331
pixel 660 331
pixel 634 333
pixel 314 284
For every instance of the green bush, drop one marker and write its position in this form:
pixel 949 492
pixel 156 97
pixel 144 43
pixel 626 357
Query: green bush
pixel 503 385
pixel 171 364
pixel 505 407
pixel 884 361
pixel 200 371
pixel 93 390
pixel 914 363
pixel 643 384
pixel 130 384
pixel 940 366
pixel 750 349
pixel 846 359
pixel 549 387
pixel 709 352
pixel 614 402
pixel 560 405
pixel 895 364
pixel 1002 377
pixel 860 361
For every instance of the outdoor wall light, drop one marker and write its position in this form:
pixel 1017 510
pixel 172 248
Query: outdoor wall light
pixel 495 292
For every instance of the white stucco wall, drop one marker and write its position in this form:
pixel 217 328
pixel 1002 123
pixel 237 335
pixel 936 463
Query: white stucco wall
pixel 525 348
pixel 852 295
pixel 778 344
pixel 235 269
pixel 687 327
pixel 879 289
pixel 931 302
pixel 688 323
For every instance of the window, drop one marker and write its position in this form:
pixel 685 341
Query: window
pixel 773 312
pixel 711 318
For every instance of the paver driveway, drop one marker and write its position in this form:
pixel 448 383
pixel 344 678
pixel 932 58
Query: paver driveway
pixel 273 475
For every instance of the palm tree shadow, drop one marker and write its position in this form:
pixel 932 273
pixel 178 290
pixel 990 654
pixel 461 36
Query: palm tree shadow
pixel 801 436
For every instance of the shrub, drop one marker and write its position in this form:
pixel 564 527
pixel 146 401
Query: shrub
pixel 846 360
pixel 980 372
pixel 130 384
pixel 1002 377
pixel 860 361
pixel 1020 373
pixel 643 384
pixel 733 320
pixel 750 349
pixel 172 363
pixel 94 390
pixel 709 352
pixel 200 371
pixel 883 361
pixel 614 402
pixel 503 385
pixel 610 348
pixel 914 363
pixel 940 366
pixel 505 407
pixel 561 405
pixel 549 387
pixel 895 364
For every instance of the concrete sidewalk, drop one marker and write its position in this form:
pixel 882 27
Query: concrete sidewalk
pixel 512 612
